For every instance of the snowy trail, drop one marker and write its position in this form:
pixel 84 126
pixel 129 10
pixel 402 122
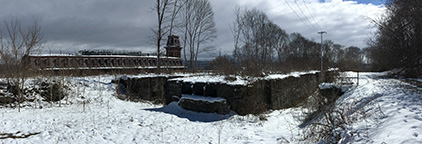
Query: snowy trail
pixel 392 110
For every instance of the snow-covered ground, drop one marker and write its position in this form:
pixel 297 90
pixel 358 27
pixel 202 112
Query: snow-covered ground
pixel 235 80
pixel 109 120
pixel 393 114
pixel 389 110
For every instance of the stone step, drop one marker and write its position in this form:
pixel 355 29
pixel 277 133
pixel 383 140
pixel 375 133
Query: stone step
pixel 203 98
pixel 204 104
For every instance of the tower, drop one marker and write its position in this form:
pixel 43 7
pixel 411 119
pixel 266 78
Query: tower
pixel 173 48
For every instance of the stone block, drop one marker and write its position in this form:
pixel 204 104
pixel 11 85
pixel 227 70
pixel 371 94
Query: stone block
pixel 220 107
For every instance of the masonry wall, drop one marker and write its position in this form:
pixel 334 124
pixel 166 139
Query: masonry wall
pixel 291 91
pixel 152 89
pixel 255 98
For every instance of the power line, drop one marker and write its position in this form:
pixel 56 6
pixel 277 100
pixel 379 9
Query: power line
pixel 305 16
pixel 299 17
pixel 311 14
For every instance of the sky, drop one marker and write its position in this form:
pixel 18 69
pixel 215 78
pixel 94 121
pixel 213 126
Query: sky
pixel 69 25
pixel 376 2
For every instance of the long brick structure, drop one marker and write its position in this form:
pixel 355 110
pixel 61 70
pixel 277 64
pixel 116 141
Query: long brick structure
pixel 100 61
pixel 56 62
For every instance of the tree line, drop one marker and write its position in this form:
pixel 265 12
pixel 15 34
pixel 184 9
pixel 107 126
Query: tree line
pixel 398 41
pixel 262 46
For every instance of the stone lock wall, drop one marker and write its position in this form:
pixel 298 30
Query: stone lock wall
pixel 291 91
pixel 155 89
pixel 254 98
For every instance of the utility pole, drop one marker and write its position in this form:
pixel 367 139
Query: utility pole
pixel 322 74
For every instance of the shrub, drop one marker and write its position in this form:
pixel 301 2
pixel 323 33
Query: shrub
pixel 51 91
pixel 223 65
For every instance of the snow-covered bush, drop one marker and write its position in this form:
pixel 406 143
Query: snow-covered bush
pixel 325 121
pixel 51 91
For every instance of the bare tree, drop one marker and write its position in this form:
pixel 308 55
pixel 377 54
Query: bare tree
pixel 199 28
pixel 398 41
pixel 282 41
pixel 162 8
pixel 236 29
pixel 223 65
pixel 334 53
pixel 16 45
pixel 177 6
pixel 260 45
pixel 256 39
pixel 167 13
pixel 353 59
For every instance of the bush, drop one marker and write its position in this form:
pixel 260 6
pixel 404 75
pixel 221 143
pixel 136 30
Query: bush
pixel 51 91
pixel 223 65
pixel 325 121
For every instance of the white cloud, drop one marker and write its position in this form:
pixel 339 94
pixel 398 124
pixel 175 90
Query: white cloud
pixel 347 22
pixel 125 24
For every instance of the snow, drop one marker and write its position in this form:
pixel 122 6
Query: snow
pixel 325 86
pixel 107 119
pixel 238 80
pixel 292 74
pixel 213 79
pixel 333 69
pixel 389 111
pixel 150 75
pixel 203 98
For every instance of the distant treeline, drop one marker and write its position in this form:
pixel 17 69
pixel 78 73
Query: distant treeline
pixel 263 46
